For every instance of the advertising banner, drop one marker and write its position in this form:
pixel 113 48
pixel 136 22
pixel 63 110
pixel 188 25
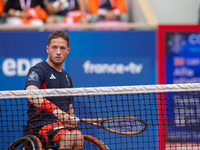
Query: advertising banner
pixel 182 57
pixel 96 58
pixel 178 62
pixel 111 71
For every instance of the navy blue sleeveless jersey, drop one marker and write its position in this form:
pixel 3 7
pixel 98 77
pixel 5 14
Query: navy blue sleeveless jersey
pixel 44 76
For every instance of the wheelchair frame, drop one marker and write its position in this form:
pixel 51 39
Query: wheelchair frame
pixel 32 142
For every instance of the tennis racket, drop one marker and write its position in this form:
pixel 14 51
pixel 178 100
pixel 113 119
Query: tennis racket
pixel 126 125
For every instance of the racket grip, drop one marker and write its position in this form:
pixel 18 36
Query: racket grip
pixel 75 119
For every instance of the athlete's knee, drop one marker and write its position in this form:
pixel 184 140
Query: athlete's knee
pixel 66 140
pixel 78 135
pixel 67 136
pixel 79 139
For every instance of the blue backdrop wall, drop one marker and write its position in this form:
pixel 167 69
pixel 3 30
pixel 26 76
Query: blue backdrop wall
pixel 97 58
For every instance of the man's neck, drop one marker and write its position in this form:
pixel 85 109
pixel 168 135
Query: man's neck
pixel 57 67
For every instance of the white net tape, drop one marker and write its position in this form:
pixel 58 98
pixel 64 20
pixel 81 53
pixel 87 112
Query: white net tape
pixel 100 90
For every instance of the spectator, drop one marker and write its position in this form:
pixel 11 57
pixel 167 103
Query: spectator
pixel 25 12
pixel 107 10
pixel 1 11
pixel 66 11
pixel 1 7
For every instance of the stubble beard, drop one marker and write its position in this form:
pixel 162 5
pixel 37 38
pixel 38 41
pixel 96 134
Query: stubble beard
pixel 54 62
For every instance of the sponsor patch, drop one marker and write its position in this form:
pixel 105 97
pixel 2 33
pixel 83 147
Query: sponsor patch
pixel 33 76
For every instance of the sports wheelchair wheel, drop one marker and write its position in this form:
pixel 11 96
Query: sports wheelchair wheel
pixel 92 143
pixel 32 142
pixel 29 142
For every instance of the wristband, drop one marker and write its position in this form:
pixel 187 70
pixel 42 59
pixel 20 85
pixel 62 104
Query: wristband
pixel 17 13
pixel 48 106
pixel 117 12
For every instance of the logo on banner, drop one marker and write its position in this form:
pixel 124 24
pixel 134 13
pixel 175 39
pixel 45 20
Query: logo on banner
pixel 20 67
pixel 194 39
pixel 114 68
pixel 176 43
pixel 179 61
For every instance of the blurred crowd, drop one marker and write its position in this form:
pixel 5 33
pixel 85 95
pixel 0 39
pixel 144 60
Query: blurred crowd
pixel 39 12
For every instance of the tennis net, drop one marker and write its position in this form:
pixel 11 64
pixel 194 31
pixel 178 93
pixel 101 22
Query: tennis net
pixel 168 115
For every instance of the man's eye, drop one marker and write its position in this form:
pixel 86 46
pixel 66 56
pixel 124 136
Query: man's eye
pixel 63 48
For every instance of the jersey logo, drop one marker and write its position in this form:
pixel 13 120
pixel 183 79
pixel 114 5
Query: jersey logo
pixel 33 76
pixel 52 76
pixel 68 81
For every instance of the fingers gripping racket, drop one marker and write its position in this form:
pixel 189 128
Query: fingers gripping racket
pixel 126 125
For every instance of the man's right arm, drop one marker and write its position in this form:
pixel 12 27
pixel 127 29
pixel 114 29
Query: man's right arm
pixel 47 105
pixel 34 100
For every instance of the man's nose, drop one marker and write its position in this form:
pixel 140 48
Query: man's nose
pixel 58 51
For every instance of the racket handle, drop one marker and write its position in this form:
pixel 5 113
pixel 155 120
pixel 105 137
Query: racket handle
pixel 75 119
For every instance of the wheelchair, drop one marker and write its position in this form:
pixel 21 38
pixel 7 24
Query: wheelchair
pixel 34 142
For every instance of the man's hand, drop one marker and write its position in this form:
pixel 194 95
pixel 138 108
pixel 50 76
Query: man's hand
pixel 73 123
pixel 61 115
pixel 57 7
pixel 60 5
pixel 110 15
pixel 24 14
pixel 83 20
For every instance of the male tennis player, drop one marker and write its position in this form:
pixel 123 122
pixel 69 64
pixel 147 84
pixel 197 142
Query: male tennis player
pixel 49 114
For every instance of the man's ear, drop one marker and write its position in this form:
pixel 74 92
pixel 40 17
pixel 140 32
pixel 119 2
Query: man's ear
pixel 47 49
pixel 69 50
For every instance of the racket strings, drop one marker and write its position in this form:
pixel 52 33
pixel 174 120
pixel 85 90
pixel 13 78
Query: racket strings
pixel 124 125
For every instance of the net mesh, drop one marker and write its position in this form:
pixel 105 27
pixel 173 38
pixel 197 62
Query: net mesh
pixel 171 112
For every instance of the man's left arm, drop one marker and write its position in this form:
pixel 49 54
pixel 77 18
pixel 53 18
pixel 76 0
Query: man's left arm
pixel 83 8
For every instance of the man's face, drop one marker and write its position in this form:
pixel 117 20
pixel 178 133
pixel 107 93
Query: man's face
pixel 58 51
